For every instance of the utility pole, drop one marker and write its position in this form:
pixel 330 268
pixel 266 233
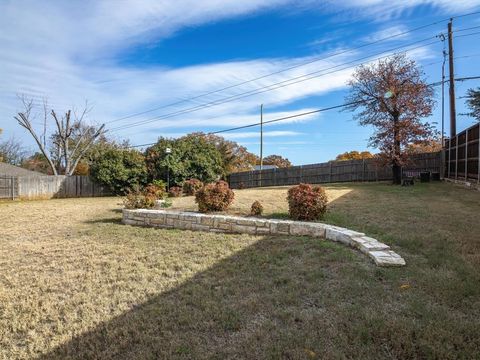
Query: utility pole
pixel 453 120
pixel 261 142
pixel 444 52
pixel 261 137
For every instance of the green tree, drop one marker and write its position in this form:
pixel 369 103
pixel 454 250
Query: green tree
pixel 235 157
pixel 118 167
pixel 473 102
pixel 192 156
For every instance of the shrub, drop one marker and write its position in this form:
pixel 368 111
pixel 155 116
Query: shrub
pixel 156 191
pixel 138 199
pixel 191 186
pixel 214 197
pixel 175 191
pixel 306 202
pixel 256 209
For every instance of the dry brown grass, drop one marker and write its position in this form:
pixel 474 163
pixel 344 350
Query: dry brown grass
pixel 75 283
pixel 273 199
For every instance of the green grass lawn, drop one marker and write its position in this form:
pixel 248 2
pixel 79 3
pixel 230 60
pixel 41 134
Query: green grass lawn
pixel 76 283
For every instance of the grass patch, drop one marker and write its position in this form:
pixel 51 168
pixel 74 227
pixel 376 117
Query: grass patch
pixel 75 283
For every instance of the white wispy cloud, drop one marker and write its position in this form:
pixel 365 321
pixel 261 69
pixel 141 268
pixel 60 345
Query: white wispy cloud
pixel 66 50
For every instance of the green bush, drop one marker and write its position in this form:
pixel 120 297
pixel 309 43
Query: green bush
pixel 118 168
pixel 214 197
pixel 256 209
pixel 191 186
pixel 306 202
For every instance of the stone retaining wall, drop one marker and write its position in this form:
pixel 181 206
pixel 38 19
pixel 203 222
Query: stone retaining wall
pixel 379 252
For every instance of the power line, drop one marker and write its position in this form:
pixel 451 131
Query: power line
pixel 292 67
pixel 275 86
pixel 304 113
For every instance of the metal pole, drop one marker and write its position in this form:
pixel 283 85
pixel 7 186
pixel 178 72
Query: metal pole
pixel 453 120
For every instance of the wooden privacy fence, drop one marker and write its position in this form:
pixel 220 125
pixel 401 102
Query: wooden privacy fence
pixel 462 155
pixel 59 186
pixel 8 187
pixel 333 171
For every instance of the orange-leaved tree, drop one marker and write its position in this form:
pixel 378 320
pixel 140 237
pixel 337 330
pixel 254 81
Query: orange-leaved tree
pixel 392 96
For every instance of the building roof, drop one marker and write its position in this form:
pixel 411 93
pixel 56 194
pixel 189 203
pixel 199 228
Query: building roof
pixel 12 170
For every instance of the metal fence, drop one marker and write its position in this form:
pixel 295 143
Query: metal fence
pixel 462 155
pixel 8 187
pixel 333 171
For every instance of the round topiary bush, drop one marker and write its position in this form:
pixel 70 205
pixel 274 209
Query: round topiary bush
pixel 256 209
pixel 175 191
pixel 191 186
pixel 307 202
pixel 214 197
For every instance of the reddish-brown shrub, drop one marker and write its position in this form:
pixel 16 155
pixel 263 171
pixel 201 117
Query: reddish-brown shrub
pixel 214 197
pixel 155 191
pixel 306 202
pixel 256 209
pixel 138 198
pixel 191 186
pixel 175 191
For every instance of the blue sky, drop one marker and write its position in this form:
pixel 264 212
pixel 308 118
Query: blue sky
pixel 129 56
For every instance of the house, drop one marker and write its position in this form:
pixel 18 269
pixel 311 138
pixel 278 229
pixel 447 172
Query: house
pixel 16 171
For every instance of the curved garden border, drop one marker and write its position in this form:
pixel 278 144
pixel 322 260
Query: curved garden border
pixel 380 253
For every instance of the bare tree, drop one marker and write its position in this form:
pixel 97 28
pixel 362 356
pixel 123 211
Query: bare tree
pixel 71 140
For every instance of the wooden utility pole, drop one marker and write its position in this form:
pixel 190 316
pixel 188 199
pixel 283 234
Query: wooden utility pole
pixel 453 116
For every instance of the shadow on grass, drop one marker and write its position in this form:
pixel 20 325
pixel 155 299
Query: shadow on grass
pixel 266 301
pixel 302 298
pixel 112 220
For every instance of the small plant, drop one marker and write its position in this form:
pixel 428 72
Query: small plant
pixel 191 186
pixel 307 202
pixel 139 199
pixel 160 183
pixel 214 197
pixel 166 203
pixel 256 209
pixel 175 191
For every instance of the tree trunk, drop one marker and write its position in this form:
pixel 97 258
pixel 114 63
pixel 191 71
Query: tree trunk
pixel 396 168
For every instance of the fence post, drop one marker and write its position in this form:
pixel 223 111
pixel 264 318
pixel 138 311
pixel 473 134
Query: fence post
pixel 12 187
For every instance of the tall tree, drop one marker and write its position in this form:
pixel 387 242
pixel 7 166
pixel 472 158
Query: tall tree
pixel 71 140
pixel 235 157
pixel 191 157
pixel 392 96
pixel 277 160
pixel 473 102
